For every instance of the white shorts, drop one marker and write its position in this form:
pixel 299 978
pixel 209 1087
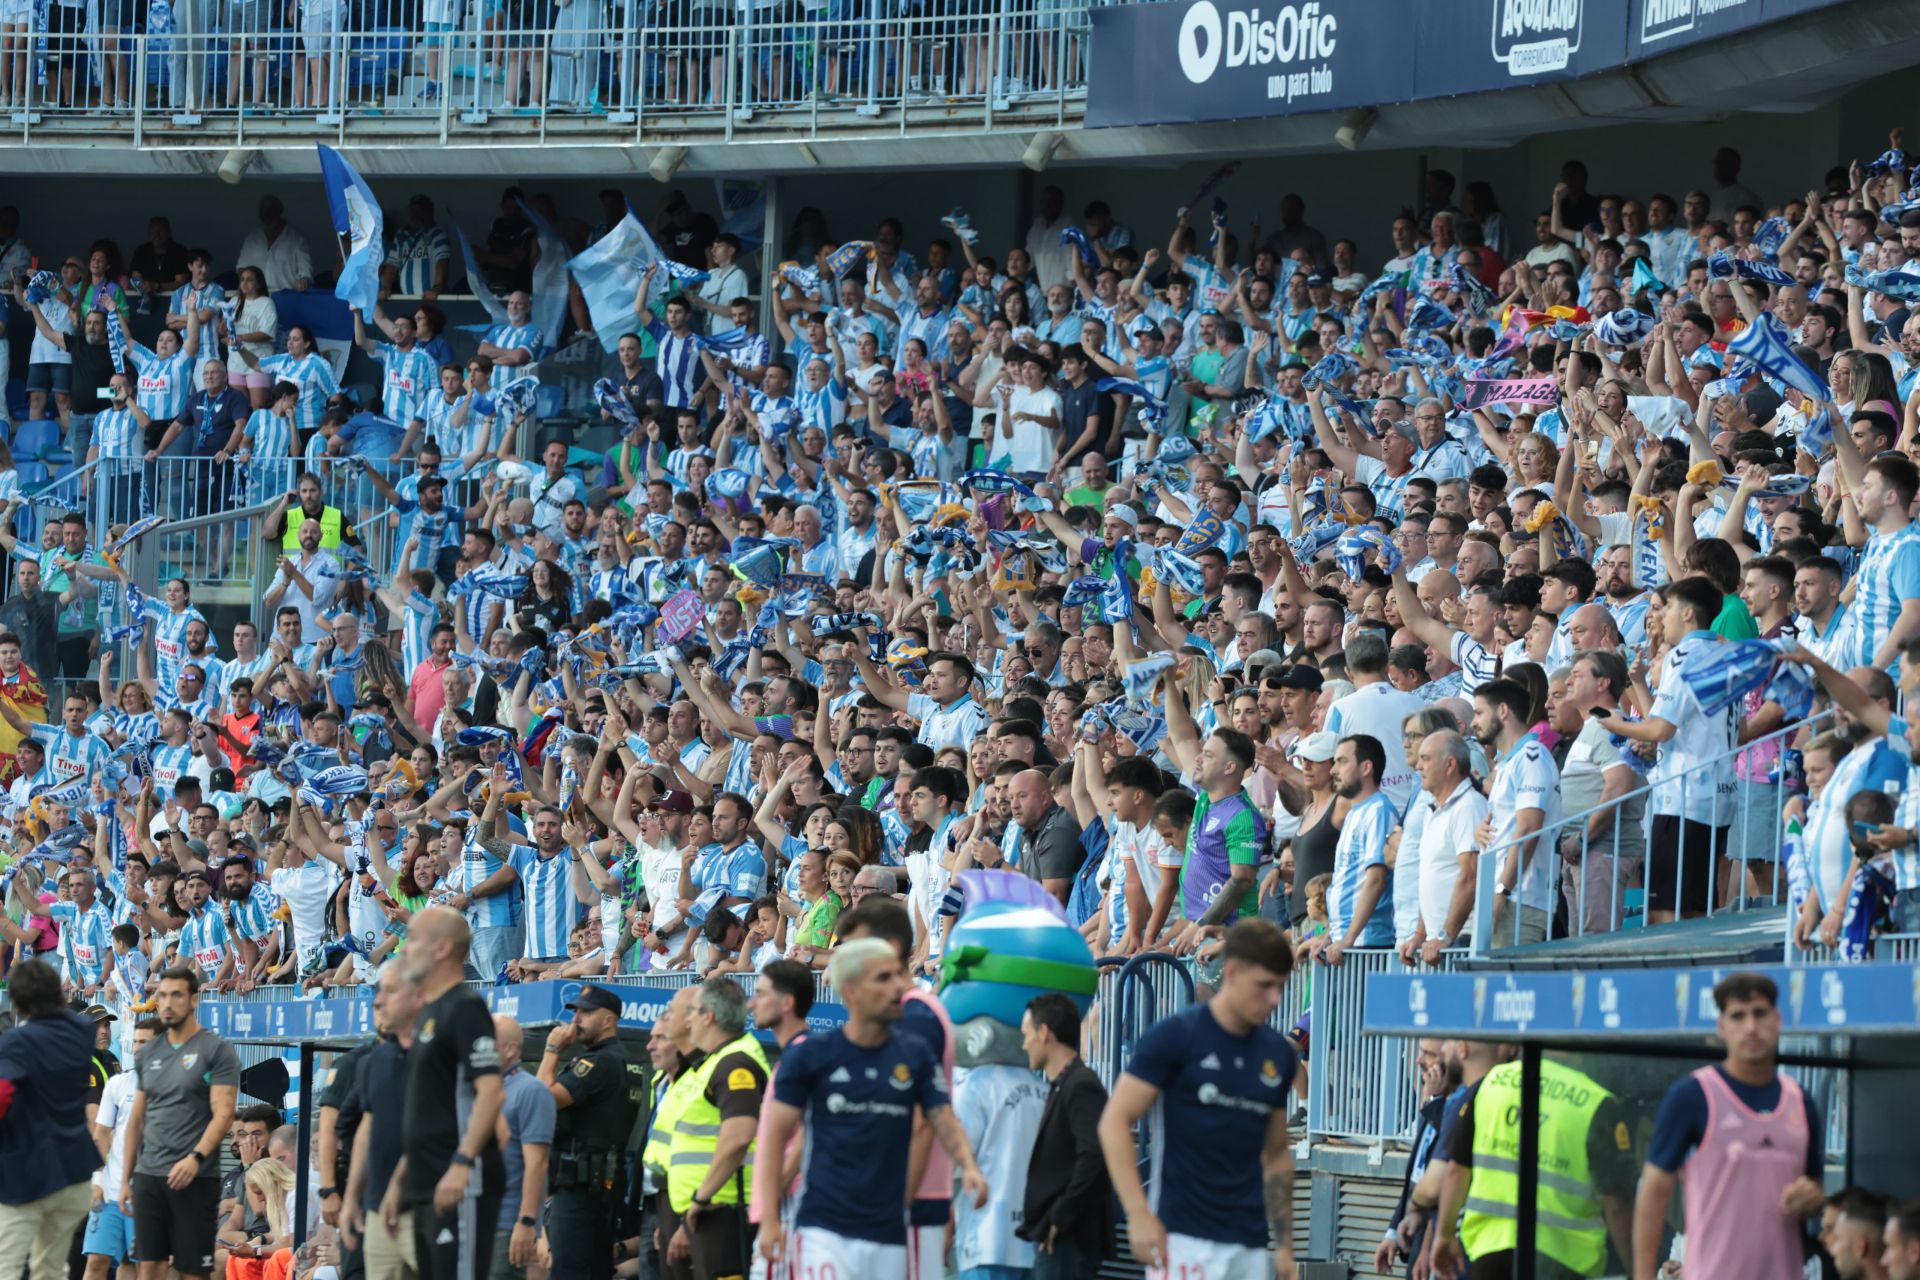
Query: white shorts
pixel 813 1254
pixel 16 13
pixel 1190 1258
pixel 926 1253
pixel 318 20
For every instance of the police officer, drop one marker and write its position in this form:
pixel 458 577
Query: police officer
pixel 710 1150
pixel 599 1094
pixel 1586 1177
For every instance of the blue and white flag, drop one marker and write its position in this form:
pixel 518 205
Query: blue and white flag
pixel 607 394
pixel 1351 551
pixel 681 272
pixel 1425 313
pixel 842 262
pixel 1623 328
pixel 1817 436
pixel 477 279
pixel 356 215
pixel 116 340
pixel 1329 369
pixel 1892 160
pixel 1181 572
pixel 1766 344
pixel 743 210
pixel 1770 235
pixel 1723 264
pixel 1082 244
pixel 1153 409
pixel 549 291
pixel 1719 675
pixel 1902 284
pixel 1142 677
pixel 1473 291
pixel 608 273
pixel 961 226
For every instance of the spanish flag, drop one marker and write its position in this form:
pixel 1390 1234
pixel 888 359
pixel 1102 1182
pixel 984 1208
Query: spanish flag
pixel 29 697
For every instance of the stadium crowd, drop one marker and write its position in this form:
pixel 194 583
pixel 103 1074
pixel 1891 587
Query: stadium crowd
pixel 1231 577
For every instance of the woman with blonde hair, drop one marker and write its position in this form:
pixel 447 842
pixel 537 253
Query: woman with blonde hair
pixel 268 1187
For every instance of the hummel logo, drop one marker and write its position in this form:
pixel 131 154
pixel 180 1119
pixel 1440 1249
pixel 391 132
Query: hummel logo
pixel 1210 1063
pixel 839 1076
pixel 445 1236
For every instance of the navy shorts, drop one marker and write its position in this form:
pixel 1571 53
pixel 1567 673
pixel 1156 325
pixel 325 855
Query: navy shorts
pixel 50 377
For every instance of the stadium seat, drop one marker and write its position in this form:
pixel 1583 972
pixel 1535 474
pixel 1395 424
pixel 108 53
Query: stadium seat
pixel 38 442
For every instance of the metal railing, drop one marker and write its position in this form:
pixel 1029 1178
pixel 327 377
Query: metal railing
pixel 1598 857
pixel 606 73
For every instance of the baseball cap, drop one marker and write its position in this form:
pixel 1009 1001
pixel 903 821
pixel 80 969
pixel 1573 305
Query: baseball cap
pixel 673 802
pixel 100 1013
pixel 1125 514
pixel 592 997
pixel 1317 278
pixel 1300 677
pixel 1315 747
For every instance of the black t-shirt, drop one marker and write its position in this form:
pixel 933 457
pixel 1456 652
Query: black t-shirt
pixel 379 1078
pixel 335 1091
pixel 603 1088
pixel 92 371
pixel 452 1047
pixel 1077 404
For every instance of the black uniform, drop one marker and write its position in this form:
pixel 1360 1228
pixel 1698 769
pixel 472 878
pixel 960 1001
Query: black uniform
pixel 338 1093
pixel 452 1046
pixel 587 1171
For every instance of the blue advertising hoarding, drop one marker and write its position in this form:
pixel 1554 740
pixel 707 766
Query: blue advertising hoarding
pixel 1667 1003
pixel 1191 61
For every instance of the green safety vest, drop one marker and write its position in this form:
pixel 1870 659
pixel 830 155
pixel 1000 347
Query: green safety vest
pixel 696 1132
pixel 660 1131
pixel 331 524
pixel 1569 1227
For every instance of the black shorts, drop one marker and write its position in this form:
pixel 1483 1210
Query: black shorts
pixel 1682 856
pixel 723 1242
pixel 458 1246
pixel 179 1225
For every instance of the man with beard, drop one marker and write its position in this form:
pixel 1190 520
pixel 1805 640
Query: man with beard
pixel 1523 800
pixel 1626 602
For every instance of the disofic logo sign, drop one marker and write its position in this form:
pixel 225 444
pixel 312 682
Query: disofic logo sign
pixel 1297 33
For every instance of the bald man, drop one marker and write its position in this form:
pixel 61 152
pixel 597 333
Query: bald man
pixel 1049 849
pixel 372 1108
pixel 451 1176
pixel 525 1133
pixel 1592 627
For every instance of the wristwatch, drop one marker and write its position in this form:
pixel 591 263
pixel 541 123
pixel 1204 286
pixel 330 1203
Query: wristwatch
pixel 525 1221
pixel 462 1159
pixel 704 1204
pixel 329 1191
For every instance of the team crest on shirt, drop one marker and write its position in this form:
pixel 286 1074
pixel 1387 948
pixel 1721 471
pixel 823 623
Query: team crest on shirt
pixel 1269 1073
pixel 902 1078
pixel 187 1059
pixel 425 1033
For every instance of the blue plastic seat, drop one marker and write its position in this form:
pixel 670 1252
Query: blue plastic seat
pixel 550 400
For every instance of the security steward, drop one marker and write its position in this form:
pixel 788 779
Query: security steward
pixel 1586 1178
pixel 676 1061
pixel 598 1093
pixel 710 1155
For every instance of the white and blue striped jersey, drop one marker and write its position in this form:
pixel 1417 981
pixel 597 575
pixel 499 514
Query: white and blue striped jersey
pixel 825 408
pixel 515 337
pixel 269 446
pixel 121 441
pixel 1478 664
pixel 1362 844
pixel 169 766
pixel 138 726
pixel 70 757
pixel 552 908
pixel 253 919
pixel 204 940
pixel 476 865
pixel 248 668
pixel 86 939
pixel 677 361
pixel 169 639
pixel 437 412
pixel 407 379
pixel 414 254
pixel 161 384
pixel 315 378
pixel 208 297
pixel 931 330
pixel 739 872
pixel 1877 765
pixel 1888 577
pixel 416 631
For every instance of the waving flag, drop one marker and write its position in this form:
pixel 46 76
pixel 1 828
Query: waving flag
pixel 1142 677
pixel 1212 183
pixel 805 279
pixel 1181 572
pixel 1817 436
pixel 1330 368
pixel 1082 244
pixel 961 226
pixel 1766 344
pixel 1351 551
pixel 758 563
pixel 477 279
pixel 1206 530
pixel 116 340
pixel 607 394
pixel 1083 591
pixel 845 260
pixel 743 210
pixel 1720 675
pixel 1902 284
pixel 1770 235
pixel 608 273
pixel 1473 291
pixel 1723 264
pixel 549 291
pixel 1623 328
pixel 356 215
pixel 1644 281
pixel 1425 313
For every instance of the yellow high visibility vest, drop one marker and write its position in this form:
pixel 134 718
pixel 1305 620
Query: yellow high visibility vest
pixel 696 1132
pixel 331 525
pixel 660 1131
pixel 1569 1226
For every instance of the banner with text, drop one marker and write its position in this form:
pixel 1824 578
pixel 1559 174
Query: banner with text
pixel 1190 61
pixel 1537 393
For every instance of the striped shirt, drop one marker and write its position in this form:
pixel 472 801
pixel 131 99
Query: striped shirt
pixel 316 380
pixel 1879 765
pixel 552 909
pixel 739 872
pixel 931 330
pixel 1389 492
pixel 253 918
pixel 161 384
pixel 203 941
pixel 515 337
pixel 118 435
pixel 187 299
pixel 169 766
pixel 416 632
pixel 678 363
pixel 414 255
pixel 169 640
pixel 1692 777
pixel 1445 461
pixel 86 939
pixel 407 379
pixel 825 408
pixel 1478 664
pixel 269 448
pixel 70 757
pixel 1527 778
pixel 477 864
pixel 1889 575
pixel 437 412
pixel 1362 845
pixel 237 668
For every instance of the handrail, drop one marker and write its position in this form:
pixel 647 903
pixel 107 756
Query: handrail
pixel 1749 836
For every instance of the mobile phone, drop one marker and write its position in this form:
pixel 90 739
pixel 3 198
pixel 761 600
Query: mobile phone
pixel 1865 830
